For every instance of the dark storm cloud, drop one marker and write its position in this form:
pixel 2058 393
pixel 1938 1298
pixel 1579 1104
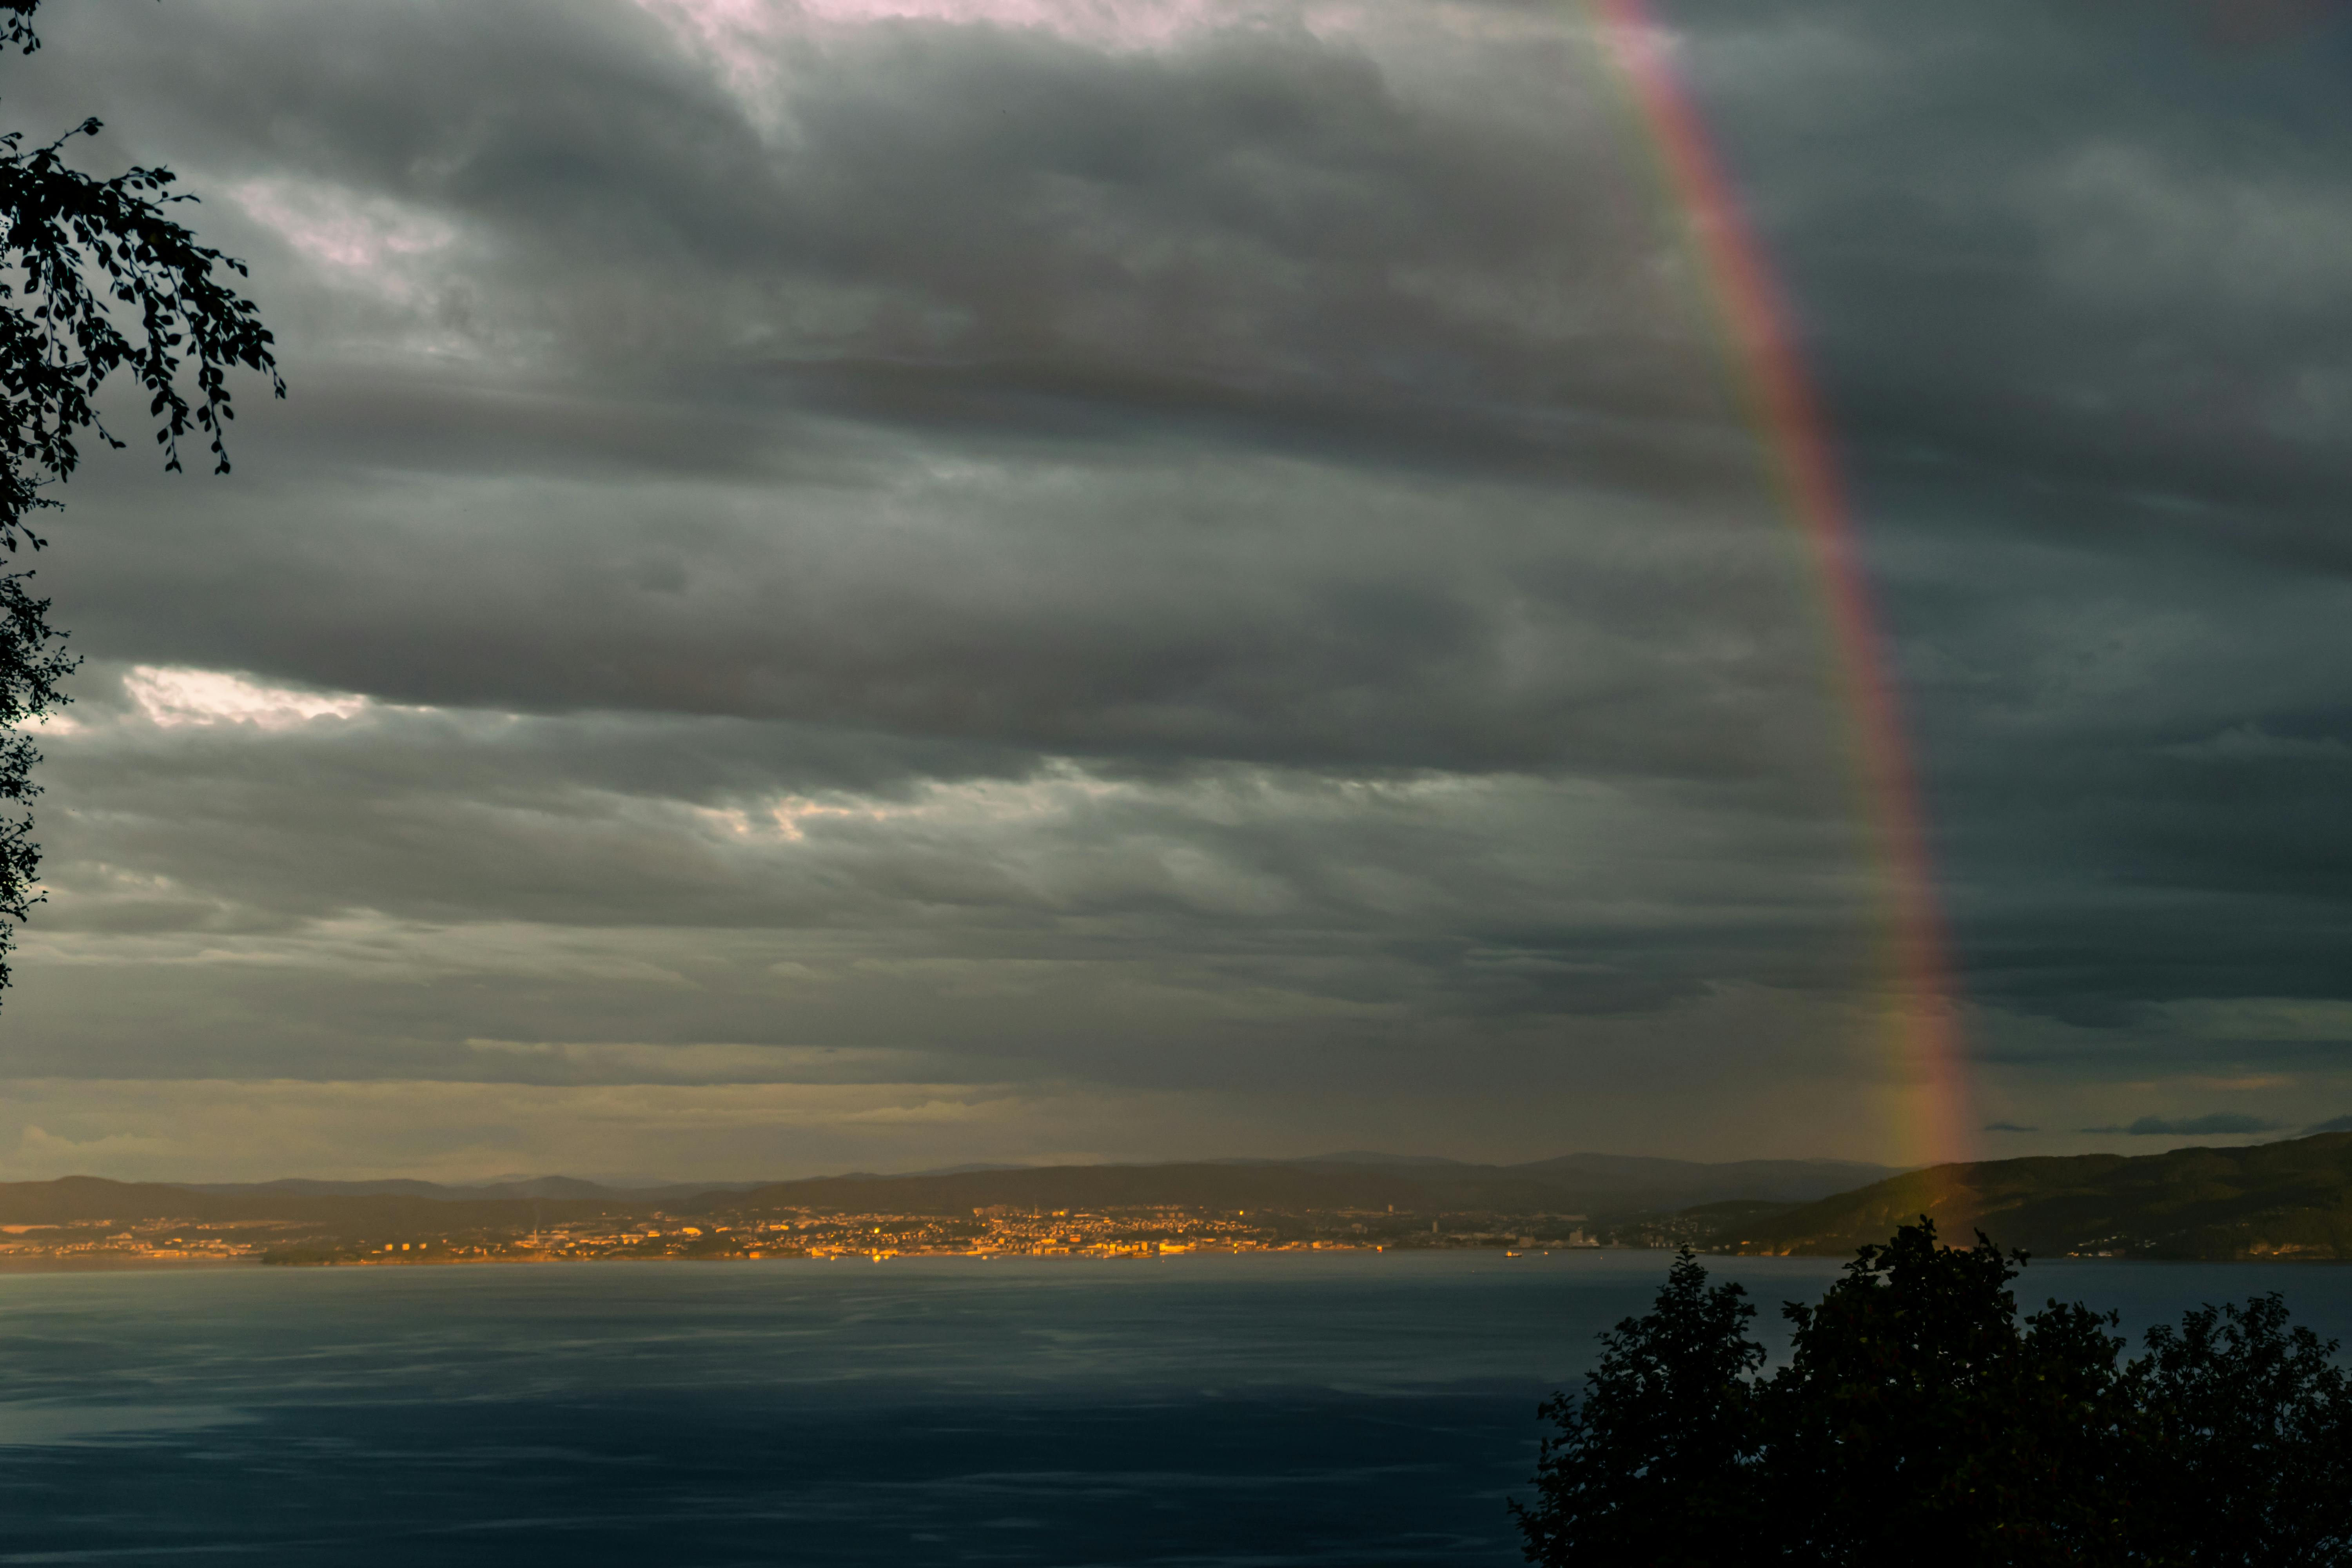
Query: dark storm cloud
pixel 2083 252
pixel 1259 231
pixel 1364 913
pixel 2139 788
pixel 1237 609
pixel 2071 279
pixel 1078 280
pixel 1219 554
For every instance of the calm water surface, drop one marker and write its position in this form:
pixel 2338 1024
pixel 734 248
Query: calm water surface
pixel 1340 1408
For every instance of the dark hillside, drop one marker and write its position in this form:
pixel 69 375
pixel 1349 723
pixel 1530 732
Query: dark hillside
pixel 1100 1187
pixel 2291 1199
pixel 1603 1187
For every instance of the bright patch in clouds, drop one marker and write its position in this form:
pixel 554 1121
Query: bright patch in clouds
pixel 742 38
pixel 174 699
pixel 1063 789
pixel 730 26
pixel 369 236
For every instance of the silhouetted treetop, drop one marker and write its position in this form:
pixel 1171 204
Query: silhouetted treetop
pixel 96 277
pixel 1919 1419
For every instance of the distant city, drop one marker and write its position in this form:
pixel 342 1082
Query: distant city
pixel 1343 1202
pixel 995 1232
pixel 2287 1200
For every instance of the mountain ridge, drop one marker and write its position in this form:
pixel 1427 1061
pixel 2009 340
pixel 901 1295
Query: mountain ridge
pixel 2292 1198
pixel 1615 1185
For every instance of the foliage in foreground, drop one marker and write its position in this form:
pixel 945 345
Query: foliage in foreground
pixel 1920 1420
pixel 76 252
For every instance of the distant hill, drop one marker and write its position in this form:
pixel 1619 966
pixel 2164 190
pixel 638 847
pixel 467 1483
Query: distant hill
pixel 1769 1180
pixel 491 1192
pixel 1353 1157
pixel 83 1199
pixel 1603 1187
pixel 2291 1199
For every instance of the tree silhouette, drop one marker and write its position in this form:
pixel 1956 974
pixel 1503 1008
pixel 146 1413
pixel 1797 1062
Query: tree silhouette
pixel 76 252
pixel 1920 1420
pixel 1664 1430
pixel 2252 1429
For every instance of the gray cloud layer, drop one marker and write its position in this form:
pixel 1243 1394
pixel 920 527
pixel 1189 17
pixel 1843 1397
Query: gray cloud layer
pixel 1193 582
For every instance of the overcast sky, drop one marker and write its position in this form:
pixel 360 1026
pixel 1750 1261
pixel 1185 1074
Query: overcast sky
pixel 871 584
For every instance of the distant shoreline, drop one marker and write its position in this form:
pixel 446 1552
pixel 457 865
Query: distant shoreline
pixel 215 1264
pixel 2173 1206
pixel 255 1264
pixel 121 1265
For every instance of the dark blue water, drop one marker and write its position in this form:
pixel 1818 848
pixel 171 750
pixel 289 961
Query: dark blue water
pixel 1339 1408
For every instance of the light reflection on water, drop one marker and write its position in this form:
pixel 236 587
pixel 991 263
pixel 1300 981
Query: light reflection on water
pixel 1274 1409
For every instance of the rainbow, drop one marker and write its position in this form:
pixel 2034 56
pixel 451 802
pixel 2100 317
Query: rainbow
pixel 1922 1024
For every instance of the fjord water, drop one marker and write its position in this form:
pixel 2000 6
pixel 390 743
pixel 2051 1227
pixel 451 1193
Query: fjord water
pixel 1273 1409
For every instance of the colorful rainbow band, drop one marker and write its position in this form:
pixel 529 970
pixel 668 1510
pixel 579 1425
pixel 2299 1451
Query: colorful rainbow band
pixel 1766 363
